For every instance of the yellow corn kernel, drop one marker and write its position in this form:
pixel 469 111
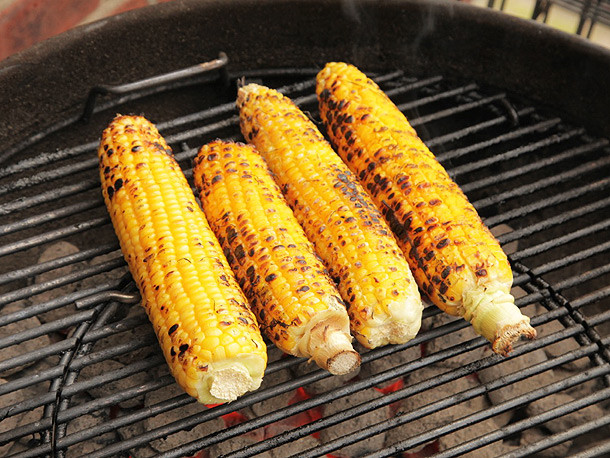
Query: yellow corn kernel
pixel 186 284
pixel 297 305
pixel 341 220
pixel 454 257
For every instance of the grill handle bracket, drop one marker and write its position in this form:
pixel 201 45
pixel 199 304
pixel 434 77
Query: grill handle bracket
pixel 94 299
pixel 219 63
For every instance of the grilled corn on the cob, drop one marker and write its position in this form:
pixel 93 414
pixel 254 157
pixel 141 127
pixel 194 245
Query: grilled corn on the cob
pixel 208 334
pixel 454 257
pixel 297 304
pixel 338 216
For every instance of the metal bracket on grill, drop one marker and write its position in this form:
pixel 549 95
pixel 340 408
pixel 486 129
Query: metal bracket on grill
pixel 94 299
pixel 217 64
pixel 511 111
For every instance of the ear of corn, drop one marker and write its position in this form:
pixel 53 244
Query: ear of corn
pixel 454 257
pixel 341 220
pixel 297 304
pixel 208 335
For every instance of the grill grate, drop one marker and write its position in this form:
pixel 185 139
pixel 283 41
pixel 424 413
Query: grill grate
pixel 80 368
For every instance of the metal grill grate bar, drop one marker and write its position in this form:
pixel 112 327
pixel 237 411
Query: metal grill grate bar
pixel 487 439
pixel 84 272
pixel 502 138
pixel 82 361
pixel 543 183
pixel 83 409
pixel 548 202
pixel 53 304
pixel 57 234
pixel 458 109
pixel 376 380
pixel 512 154
pixel 553 160
pixel 559 241
pixel 563 436
pixel 471 130
pixel 49 216
pixel 47 196
pixel 363 433
pixel 436 97
pixel 57 263
pixel 537 420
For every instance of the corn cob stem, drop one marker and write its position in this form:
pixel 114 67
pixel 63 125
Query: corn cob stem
pixel 297 305
pixel 341 220
pixel 208 335
pixel 455 259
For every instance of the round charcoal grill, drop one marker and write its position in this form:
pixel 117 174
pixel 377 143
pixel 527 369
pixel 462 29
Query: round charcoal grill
pixel 516 112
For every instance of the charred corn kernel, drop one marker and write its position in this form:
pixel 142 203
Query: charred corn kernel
pixel 297 305
pixel 454 257
pixel 338 216
pixel 208 334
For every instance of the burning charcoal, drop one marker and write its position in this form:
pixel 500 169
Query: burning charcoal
pixel 463 335
pixel 445 416
pixel 428 373
pixel 270 405
pixel 472 432
pixel 174 440
pixel 52 252
pixel 294 447
pixel 112 276
pixel 143 452
pixel 582 389
pixel 25 418
pixel 569 420
pixel 134 334
pixel 356 423
pixel 134 430
pixel 563 346
pixel 28 346
pixel 388 362
pixel 116 386
pixel 235 443
pixel 284 400
pixel 294 421
pixel 243 440
pixel 84 422
pixel 9 423
pixel 533 435
pixel 514 365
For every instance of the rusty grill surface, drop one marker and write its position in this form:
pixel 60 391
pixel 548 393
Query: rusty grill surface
pixel 82 375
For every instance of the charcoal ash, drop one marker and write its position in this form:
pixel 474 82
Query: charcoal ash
pixel 51 253
pixel 115 386
pixel 85 422
pixel 28 346
pixel 445 416
pixel 179 438
pixel 533 435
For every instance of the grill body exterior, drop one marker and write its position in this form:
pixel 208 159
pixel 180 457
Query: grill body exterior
pixel 431 36
pixel 515 111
